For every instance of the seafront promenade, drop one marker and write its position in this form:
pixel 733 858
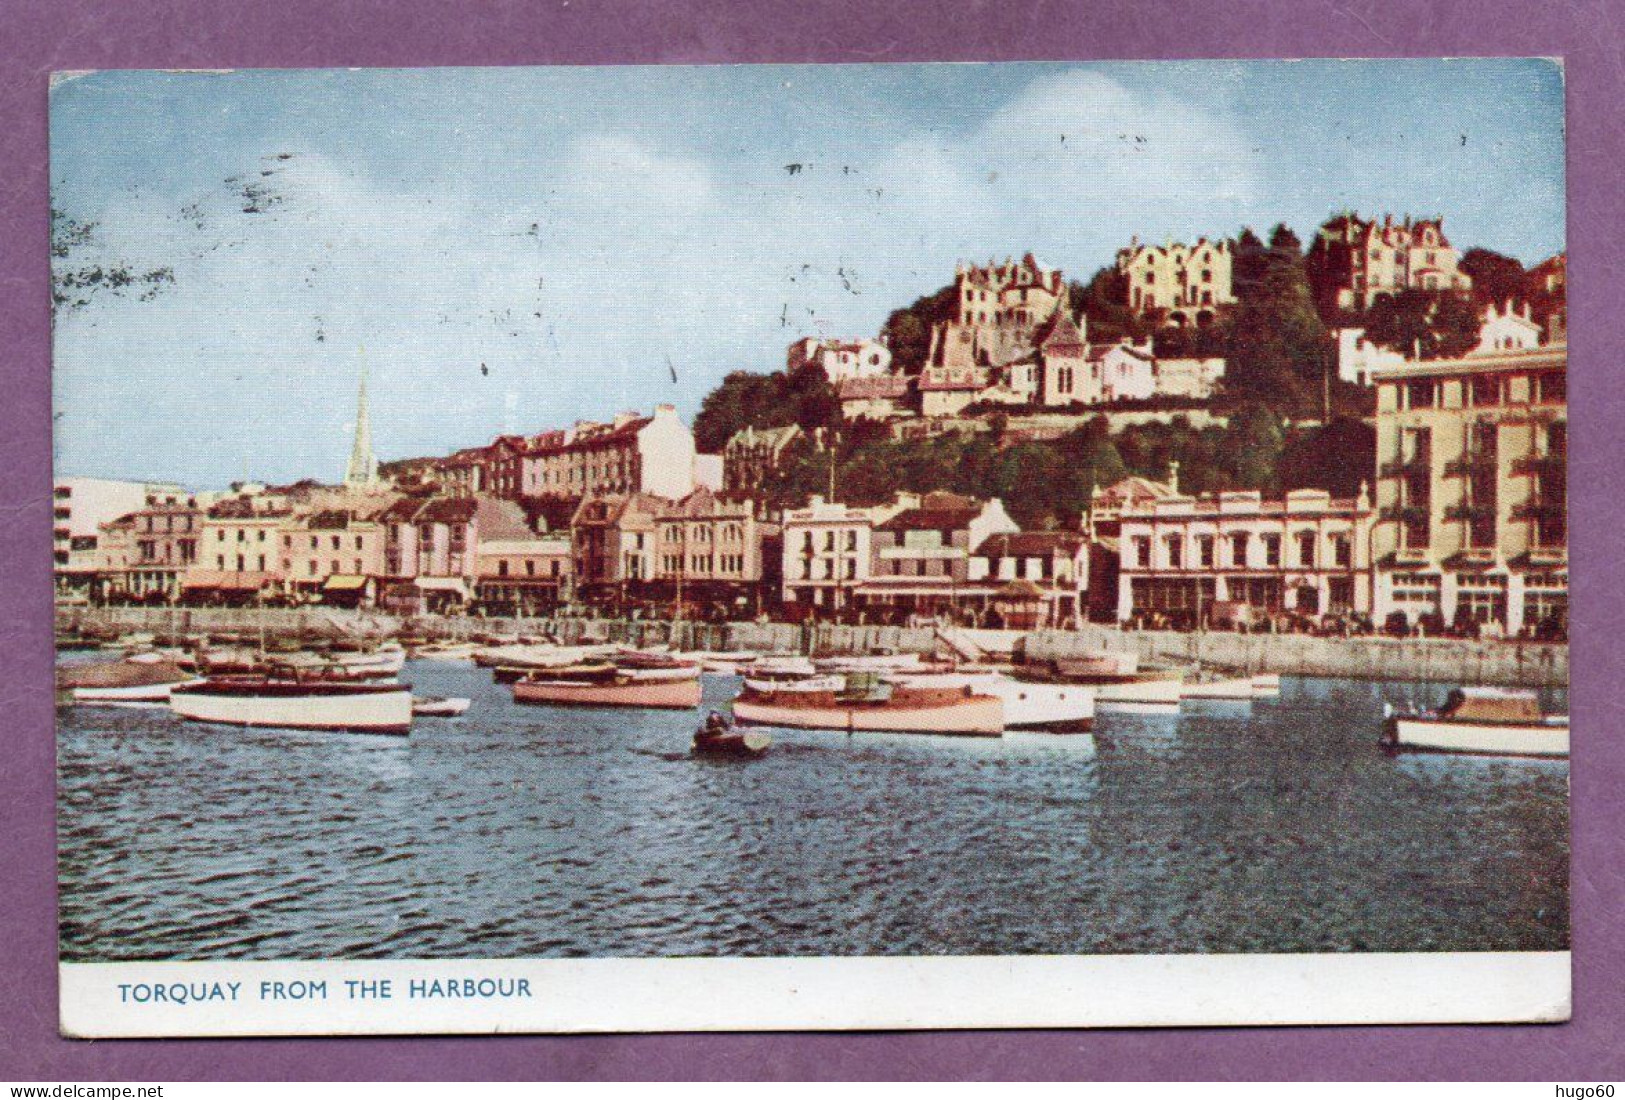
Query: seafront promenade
pixel 1434 660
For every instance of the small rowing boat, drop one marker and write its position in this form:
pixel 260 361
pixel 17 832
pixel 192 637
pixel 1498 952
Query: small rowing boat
pixel 719 738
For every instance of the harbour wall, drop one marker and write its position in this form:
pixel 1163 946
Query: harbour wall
pixel 1523 664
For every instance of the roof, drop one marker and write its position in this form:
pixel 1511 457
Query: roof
pixel 1063 333
pixel 1022 544
pixel 330 520
pixel 952 378
pixel 774 438
pixel 604 435
pixel 448 510
pixel 1135 487
pixel 1100 351
pixel 402 510
pixel 879 385
pixel 1020 590
pixel 1545 357
pixel 931 519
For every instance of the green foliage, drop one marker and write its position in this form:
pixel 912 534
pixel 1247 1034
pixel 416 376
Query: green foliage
pixel 907 332
pixel 802 397
pixel 1047 485
pixel 1338 457
pixel 1276 346
pixel 1412 321
pixel 1104 302
pixel 1497 279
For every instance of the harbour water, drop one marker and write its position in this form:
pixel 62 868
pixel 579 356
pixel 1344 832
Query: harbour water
pixel 513 832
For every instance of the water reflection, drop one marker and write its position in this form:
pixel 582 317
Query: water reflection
pixel 1277 825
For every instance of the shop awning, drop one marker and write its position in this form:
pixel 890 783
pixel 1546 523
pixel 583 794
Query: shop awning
pixel 225 581
pixel 344 582
pixel 441 584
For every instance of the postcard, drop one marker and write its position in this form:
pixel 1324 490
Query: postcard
pixel 810 547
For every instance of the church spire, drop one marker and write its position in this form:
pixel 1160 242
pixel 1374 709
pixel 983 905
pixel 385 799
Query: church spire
pixel 362 472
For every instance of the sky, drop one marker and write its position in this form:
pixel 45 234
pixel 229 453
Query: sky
pixel 516 249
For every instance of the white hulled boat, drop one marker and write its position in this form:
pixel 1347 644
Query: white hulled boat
pixel 356 707
pixel 1485 721
pixel 1038 706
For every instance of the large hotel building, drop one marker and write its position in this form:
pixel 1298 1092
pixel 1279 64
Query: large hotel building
pixel 1472 464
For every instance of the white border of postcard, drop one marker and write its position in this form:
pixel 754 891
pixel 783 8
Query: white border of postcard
pixel 176 999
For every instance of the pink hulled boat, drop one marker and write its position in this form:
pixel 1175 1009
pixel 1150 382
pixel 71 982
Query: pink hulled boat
pixel 887 708
pixel 609 691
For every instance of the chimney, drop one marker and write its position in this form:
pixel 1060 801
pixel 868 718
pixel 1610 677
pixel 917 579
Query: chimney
pixel 1173 475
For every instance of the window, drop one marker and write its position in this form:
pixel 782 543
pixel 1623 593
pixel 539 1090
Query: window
pixel 1486 390
pixel 502 567
pixel 1142 551
pixel 1174 548
pixel 1238 550
pixel 1306 549
pixel 1204 551
pixel 1419 394
pixel 1272 550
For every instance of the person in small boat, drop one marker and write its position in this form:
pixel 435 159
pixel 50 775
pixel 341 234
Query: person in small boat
pixel 715 725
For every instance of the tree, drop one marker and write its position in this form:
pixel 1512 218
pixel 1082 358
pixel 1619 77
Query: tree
pixel 1337 457
pixel 803 397
pixel 1424 324
pixel 907 332
pixel 1104 301
pixel 1247 264
pixel 1277 346
pixel 1257 440
pixel 1497 279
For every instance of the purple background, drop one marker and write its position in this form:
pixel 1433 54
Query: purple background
pixel 41 35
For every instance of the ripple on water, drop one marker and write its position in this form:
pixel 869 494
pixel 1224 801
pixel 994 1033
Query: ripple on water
pixel 521 831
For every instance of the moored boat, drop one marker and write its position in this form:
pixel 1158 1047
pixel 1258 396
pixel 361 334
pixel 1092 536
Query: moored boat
pixel 870 662
pixel 611 691
pixel 264 701
pixel 136 695
pixel 1120 683
pixel 1028 705
pixel 1482 721
pixel 884 708
pixel 446 651
pixel 434 706
pixel 1226 689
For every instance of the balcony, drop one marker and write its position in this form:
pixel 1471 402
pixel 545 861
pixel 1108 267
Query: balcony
pixel 1470 512
pixel 1470 464
pixel 1403 467
pixel 1542 465
pixel 1405 513
pixel 1540 509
